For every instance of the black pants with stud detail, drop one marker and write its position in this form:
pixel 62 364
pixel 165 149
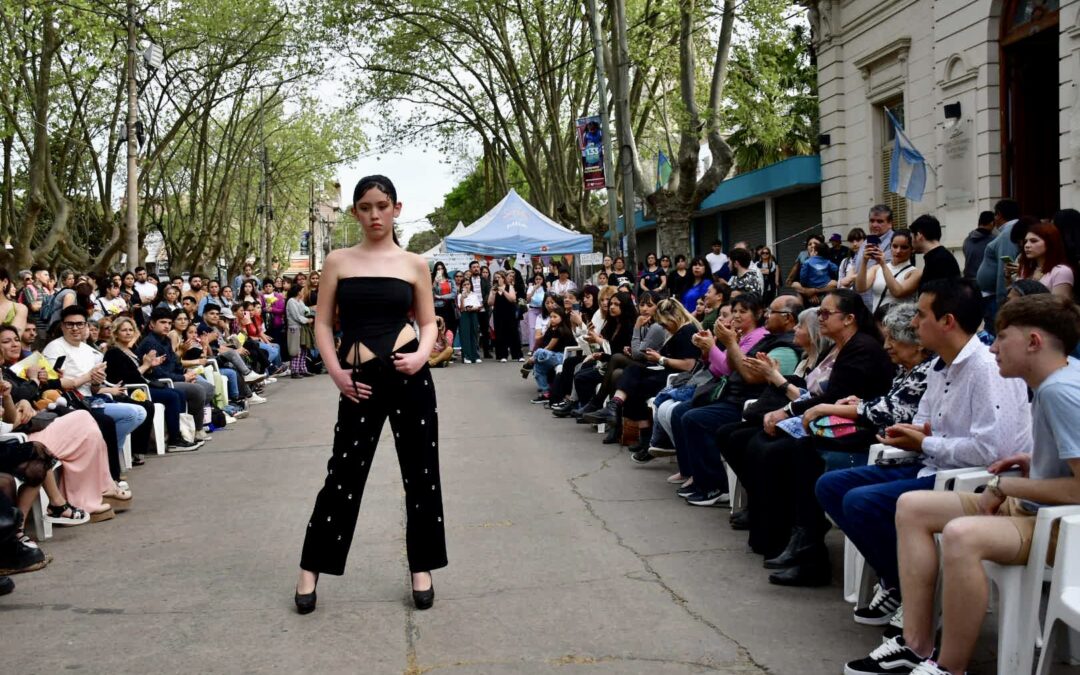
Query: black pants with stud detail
pixel 409 402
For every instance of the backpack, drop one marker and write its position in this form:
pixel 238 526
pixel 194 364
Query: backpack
pixel 48 302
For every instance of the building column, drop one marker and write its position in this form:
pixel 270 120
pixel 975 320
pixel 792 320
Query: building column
pixel 770 223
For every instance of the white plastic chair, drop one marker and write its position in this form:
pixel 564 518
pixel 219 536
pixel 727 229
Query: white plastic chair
pixel 567 352
pixel 42 527
pixel 159 417
pixel 858 577
pixel 1063 606
pixel 1020 587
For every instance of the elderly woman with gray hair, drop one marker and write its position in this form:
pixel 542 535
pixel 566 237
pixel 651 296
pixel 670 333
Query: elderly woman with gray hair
pixel 839 436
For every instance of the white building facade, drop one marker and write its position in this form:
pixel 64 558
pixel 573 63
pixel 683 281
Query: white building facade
pixel 985 89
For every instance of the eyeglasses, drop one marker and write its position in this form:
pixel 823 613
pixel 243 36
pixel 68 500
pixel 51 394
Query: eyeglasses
pixel 74 325
pixel 778 311
pixel 824 314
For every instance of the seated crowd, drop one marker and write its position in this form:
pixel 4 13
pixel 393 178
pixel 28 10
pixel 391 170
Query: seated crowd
pixel 85 361
pixel 788 387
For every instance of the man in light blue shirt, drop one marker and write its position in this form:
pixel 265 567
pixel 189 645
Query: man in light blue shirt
pixel 991 273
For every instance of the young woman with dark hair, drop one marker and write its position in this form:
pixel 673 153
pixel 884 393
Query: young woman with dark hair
pixel 445 294
pixel 699 282
pixel 503 301
pixel 381 372
pixel 679 278
pixel 299 339
pixel 557 337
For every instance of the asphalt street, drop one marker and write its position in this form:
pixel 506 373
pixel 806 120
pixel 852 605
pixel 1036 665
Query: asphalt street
pixel 564 557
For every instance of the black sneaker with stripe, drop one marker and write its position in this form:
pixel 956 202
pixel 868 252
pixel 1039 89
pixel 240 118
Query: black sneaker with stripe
pixel 895 626
pixel 881 608
pixel 891 657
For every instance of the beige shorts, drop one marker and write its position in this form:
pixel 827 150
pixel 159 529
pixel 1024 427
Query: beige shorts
pixel 1022 519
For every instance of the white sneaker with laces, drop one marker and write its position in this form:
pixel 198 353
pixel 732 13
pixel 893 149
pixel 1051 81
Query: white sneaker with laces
pixel 253 377
pixel 502 360
pixel 255 399
pixel 202 435
pixel 271 380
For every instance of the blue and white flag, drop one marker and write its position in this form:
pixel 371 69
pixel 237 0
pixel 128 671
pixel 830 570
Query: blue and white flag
pixel 907 173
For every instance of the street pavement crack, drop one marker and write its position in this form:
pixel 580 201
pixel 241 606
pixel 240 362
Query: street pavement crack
pixel 655 577
pixel 577 660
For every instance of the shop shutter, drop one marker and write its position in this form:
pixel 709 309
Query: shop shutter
pixel 744 224
pixel 797 216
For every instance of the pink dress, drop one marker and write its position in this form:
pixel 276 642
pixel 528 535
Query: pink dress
pixel 75 440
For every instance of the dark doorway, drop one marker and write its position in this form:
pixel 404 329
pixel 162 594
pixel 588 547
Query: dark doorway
pixel 1029 111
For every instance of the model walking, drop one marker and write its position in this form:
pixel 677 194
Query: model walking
pixel 381 371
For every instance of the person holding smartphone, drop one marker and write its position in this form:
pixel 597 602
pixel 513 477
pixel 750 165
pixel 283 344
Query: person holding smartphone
pixel 503 299
pixel 889 281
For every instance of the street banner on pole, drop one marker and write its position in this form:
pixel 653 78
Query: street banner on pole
pixel 591 141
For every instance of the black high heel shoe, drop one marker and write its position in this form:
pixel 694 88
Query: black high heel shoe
pixel 424 599
pixel 305 604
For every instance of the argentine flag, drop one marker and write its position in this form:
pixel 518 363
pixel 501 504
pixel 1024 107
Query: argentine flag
pixel 907 174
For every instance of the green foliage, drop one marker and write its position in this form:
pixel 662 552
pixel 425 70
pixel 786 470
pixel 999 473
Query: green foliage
pixel 236 76
pixel 771 108
pixel 422 241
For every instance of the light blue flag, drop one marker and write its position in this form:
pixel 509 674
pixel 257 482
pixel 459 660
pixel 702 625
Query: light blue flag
pixel 663 171
pixel 907 174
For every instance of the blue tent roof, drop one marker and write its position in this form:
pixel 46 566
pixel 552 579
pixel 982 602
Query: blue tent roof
pixel 514 226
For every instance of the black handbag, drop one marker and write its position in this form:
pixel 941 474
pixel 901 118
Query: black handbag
pixel 29 462
pixel 709 392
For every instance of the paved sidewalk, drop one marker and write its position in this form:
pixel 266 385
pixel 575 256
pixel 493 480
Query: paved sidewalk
pixel 564 557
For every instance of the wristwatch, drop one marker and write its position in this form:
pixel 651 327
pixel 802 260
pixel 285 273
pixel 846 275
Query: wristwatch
pixel 663 361
pixel 788 410
pixel 994 486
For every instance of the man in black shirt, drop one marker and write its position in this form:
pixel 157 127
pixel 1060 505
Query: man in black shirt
pixel 837 250
pixel 938 262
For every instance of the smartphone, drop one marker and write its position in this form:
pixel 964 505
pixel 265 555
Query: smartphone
pixel 576 306
pixel 873 240
pixel 898 461
pixel 1007 259
pixel 59 365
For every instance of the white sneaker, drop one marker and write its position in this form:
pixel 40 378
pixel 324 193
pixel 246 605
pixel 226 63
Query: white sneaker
pixel 502 360
pixel 253 377
pixel 270 380
pixel 479 361
pixel 202 435
pixel 521 360
pixel 466 361
pixel 255 399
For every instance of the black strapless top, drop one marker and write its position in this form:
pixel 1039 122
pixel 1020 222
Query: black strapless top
pixel 372 311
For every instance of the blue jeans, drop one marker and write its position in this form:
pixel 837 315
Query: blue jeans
pixel 126 416
pixel 274 352
pixel 694 433
pixel 174 401
pixel 862 501
pixel 544 368
pixel 234 385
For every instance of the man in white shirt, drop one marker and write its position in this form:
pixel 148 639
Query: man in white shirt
pixel 717 259
pixel 144 287
pixel 969 416
pixel 83 371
